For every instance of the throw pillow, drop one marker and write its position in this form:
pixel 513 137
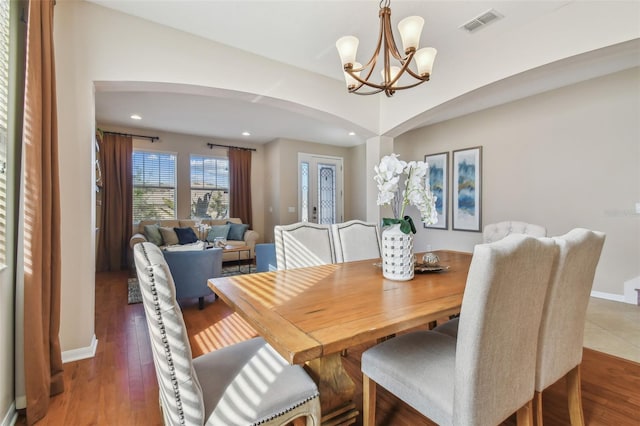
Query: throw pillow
pixel 186 235
pixel 218 231
pixel 169 236
pixel 237 230
pixel 152 232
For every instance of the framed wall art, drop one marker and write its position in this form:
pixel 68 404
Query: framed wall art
pixel 466 196
pixel 438 180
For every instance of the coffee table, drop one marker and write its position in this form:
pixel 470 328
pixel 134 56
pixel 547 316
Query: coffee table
pixel 239 250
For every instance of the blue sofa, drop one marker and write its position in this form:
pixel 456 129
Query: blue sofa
pixel 192 269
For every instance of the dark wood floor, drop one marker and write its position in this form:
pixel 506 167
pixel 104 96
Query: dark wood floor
pixel 118 386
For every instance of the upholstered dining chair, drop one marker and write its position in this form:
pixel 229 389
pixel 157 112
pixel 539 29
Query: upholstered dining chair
pixel 563 318
pixel 497 231
pixel 488 372
pixel 243 384
pixel 356 240
pixel 303 244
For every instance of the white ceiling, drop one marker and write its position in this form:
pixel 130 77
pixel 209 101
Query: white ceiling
pixel 302 33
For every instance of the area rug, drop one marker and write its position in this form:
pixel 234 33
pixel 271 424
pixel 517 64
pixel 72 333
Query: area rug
pixel 231 269
pixel 134 295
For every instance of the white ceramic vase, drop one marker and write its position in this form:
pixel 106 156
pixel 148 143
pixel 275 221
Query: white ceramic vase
pixel 397 254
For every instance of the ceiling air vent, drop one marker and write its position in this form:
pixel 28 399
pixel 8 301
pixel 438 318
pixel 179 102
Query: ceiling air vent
pixel 481 21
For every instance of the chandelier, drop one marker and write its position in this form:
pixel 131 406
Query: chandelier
pixel 410 29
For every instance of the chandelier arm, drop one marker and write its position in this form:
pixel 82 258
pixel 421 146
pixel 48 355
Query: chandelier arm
pixel 373 92
pixel 405 67
pixel 407 86
pixel 364 82
pixel 419 77
pixel 389 41
pixel 374 58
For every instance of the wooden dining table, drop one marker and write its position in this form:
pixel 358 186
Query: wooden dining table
pixel 309 315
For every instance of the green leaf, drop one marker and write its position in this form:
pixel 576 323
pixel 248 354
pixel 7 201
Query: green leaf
pixel 406 224
pixel 388 221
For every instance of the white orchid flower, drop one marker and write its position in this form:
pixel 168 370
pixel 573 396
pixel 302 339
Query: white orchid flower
pixel 413 191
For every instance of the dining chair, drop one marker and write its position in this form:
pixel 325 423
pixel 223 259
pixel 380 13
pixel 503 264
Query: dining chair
pixel 563 317
pixel 247 383
pixel 356 240
pixel 488 372
pixel 497 231
pixel 562 329
pixel 303 244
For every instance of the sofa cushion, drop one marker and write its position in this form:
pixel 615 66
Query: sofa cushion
pixel 218 231
pixel 152 232
pixel 236 231
pixel 169 236
pixel 186 235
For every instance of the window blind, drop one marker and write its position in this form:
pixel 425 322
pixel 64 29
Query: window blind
pixel 4 121
pixel 154 185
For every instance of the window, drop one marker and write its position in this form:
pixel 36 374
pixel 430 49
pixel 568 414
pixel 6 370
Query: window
pixel 4 122
pixel 209 187
pixel 154 185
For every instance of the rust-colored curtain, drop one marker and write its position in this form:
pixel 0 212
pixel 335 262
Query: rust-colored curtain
pixel 116 218
pixel 41 197
pixel 240 184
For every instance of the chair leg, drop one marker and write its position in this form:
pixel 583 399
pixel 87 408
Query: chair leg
pixel 201 303
pixel 537 408
pixel 368 401
pixel 575 397
pixel 524 416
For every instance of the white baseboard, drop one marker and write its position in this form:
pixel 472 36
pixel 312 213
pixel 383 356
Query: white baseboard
pixel 81 353
pixel 11 416
pixel 21 402
pixel 608 296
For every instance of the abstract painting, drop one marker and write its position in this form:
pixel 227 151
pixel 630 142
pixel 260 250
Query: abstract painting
pixel 438 180
pixel 467 189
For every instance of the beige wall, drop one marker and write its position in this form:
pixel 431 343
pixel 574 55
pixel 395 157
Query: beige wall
pixel 563 159
pixel 283 179
pixel 356 182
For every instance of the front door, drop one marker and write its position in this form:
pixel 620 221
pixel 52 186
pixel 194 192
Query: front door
pixel 320 189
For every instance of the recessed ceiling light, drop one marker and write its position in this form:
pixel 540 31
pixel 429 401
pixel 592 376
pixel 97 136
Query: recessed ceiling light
pixel 245 133
pixel 352 133
pixel 136 117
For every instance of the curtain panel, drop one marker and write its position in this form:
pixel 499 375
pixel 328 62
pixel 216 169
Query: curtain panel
pixel 240 184
pixel 117 197
pixel 41 199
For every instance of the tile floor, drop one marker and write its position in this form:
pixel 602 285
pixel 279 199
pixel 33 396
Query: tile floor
pixel 613 328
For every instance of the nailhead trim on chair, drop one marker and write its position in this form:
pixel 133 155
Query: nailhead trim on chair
pixel 282 413
pixel 167 349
